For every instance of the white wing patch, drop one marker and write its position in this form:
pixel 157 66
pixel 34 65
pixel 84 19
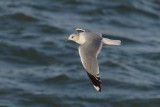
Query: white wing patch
pixel 97 88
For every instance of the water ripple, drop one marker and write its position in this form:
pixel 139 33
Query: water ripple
pixel 37 68
pixel 19 17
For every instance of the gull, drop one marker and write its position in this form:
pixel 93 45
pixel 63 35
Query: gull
pixel 91 43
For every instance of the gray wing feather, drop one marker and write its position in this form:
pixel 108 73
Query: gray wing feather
pixel 86 30
pixel 88 54
pixel 80 30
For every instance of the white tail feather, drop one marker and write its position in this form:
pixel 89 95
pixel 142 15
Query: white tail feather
pixel 111 42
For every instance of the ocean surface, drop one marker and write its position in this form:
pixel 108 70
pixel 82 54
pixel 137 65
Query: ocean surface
pixel 39 69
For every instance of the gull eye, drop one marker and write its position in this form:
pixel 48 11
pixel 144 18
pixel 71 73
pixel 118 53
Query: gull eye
pixel 72 36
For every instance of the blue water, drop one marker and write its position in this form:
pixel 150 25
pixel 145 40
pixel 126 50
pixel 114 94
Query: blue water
pixel 38 69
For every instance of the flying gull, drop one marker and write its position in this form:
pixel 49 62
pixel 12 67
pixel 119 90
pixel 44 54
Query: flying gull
pixel 91 43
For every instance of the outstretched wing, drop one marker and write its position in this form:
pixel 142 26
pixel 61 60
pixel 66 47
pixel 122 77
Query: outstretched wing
pixel 88 55
pixel 80 30
pixel 86 30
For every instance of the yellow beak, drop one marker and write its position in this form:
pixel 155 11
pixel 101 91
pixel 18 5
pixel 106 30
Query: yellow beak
pixel 67 40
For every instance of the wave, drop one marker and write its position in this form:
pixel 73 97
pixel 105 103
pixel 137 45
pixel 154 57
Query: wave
pixel 148 102
pixel 151 55
pixel 24 55
pixel 138 8
pixel 51 29
pixel 127 9
pixel 19 17
pixel 59 78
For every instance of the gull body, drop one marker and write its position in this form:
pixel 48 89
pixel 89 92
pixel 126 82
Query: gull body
pixel 91 43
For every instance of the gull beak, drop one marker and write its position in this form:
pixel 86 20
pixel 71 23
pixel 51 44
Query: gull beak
pixel 67 40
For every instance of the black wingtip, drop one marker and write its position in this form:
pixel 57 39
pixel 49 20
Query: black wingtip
pixel 95 81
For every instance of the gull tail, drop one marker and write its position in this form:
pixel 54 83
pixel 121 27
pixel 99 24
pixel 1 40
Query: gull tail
pixel 107 41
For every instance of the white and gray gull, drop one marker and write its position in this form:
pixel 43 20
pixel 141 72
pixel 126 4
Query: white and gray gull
pixel 91 44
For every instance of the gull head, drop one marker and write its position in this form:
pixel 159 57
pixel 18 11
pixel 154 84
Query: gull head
pixel 72 37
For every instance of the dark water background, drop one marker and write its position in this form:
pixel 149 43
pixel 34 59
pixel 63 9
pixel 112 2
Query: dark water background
pixel 38 69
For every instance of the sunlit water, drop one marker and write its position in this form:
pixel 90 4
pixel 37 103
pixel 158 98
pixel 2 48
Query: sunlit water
pixel 38 69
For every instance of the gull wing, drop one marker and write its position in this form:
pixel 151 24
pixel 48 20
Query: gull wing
pixel 88 54
pixel 86 30
pixel 80 30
